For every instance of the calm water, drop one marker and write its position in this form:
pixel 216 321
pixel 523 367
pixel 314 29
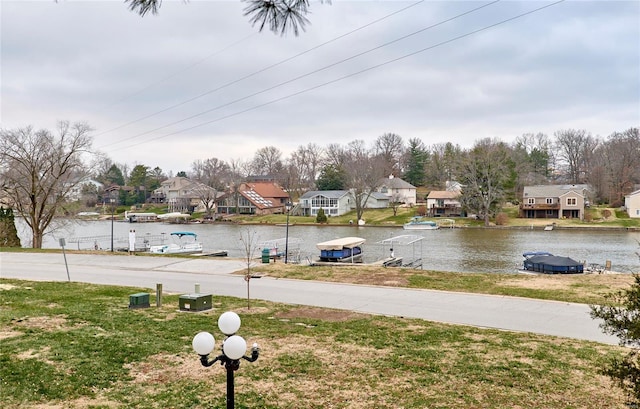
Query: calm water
pixel 462 250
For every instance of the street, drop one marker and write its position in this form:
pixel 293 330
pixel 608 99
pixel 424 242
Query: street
pixel 180 275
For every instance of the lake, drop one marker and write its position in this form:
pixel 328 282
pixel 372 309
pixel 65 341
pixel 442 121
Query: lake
pixel 458 250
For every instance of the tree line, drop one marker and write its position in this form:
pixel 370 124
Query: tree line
pixel 39 169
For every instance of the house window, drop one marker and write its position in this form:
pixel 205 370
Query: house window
pixel 384 189
pixel 531 200
pixel 572 201
pixel 549 200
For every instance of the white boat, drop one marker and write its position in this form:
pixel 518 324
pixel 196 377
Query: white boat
pixel 190 245
pixel 418 223
pixel 346 249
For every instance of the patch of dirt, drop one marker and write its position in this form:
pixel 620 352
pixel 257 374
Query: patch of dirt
pixel 4 287
pixel 320 313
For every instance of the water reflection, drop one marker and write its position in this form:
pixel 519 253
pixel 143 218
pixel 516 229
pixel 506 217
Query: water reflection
pixel 468 250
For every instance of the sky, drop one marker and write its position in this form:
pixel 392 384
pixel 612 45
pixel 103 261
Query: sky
pixel 197 81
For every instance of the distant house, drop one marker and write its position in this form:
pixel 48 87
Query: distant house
pixel 554 202
pixel 398 190
pixel 333 202
pixel 170 191
pixel 76 192
pixel 338 202
pixel 444 203
pixel 254 198
pixel 632 204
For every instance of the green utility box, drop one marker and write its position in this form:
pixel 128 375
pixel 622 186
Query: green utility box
pixel 195 302
pixel 139 300
pixel 265 256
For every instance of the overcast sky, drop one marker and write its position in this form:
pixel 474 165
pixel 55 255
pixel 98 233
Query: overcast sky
pixel 198 81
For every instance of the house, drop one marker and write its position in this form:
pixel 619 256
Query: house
pixel 85 185
pixel 338 202
pixel 254 198
pixel 398 190
pixel 170 190
pixel 632 204
pixel 444 203
pixel 334 202
pixel 554 202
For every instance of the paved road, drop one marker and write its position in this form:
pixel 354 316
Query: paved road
pixel 179 275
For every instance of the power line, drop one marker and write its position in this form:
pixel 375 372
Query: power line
pixel 309 73
pixel 249 75
pixel 352 74
pixel 161 80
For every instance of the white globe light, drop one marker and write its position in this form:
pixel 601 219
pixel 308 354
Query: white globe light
pixel 229 323
pixel 203 343
pixel 234 347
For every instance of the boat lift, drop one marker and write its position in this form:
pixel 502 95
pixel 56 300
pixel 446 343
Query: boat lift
pixel 404 240
pixel 277 248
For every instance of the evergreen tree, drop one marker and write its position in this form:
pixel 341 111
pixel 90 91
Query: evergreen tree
pixel 418 156
pixel 8 232
pixel 321 217
pixel 332 177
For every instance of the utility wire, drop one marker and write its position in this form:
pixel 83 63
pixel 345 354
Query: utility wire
pixel 253 73
pixel 352 74
pixel 161 80
pixel 307 74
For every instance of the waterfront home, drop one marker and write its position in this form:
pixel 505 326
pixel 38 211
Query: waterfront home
pixel 333 202
pixel 398 190
pixel 554 202
pixel 632 204
pixel 258 198
pixel 444 203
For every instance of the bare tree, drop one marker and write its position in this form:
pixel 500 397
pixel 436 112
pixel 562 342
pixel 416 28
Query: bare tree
pixel 483 172
pixel 364 172
pixel 390 148
pixel 267 161
pixel 209 174
pixel 249 242
pixel 574 148
pixel 238 171
pixel 303 167
pixel 40 170
pixel 617 167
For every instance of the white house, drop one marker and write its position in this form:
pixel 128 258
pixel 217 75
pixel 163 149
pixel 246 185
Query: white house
pixel 632 204
pixel 398 190
pixel 334 202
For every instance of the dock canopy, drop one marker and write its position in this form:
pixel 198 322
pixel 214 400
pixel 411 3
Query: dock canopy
pixel 338 244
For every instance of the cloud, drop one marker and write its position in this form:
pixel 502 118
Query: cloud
pixel 233 91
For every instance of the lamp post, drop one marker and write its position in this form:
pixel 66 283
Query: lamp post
pixel 288 206
pixel 112 200
pixel 233 349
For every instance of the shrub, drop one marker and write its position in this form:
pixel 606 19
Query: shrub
pixel 421 210
pixel 321 217
pixel 502 219
pixel 606 213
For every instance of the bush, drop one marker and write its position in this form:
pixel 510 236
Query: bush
pixel 502 219
pixel 321 217
pixel 421 210
pixel 606 213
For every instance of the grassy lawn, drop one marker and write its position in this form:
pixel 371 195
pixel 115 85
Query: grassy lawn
pixel 385 217
pixel 72 345
pixel 580 288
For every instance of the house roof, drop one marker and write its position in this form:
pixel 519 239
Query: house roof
pixel 637 192
pixel 396 183
pixel 265 189
pixel 331 194
pixel 443 194
pixel 552 190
